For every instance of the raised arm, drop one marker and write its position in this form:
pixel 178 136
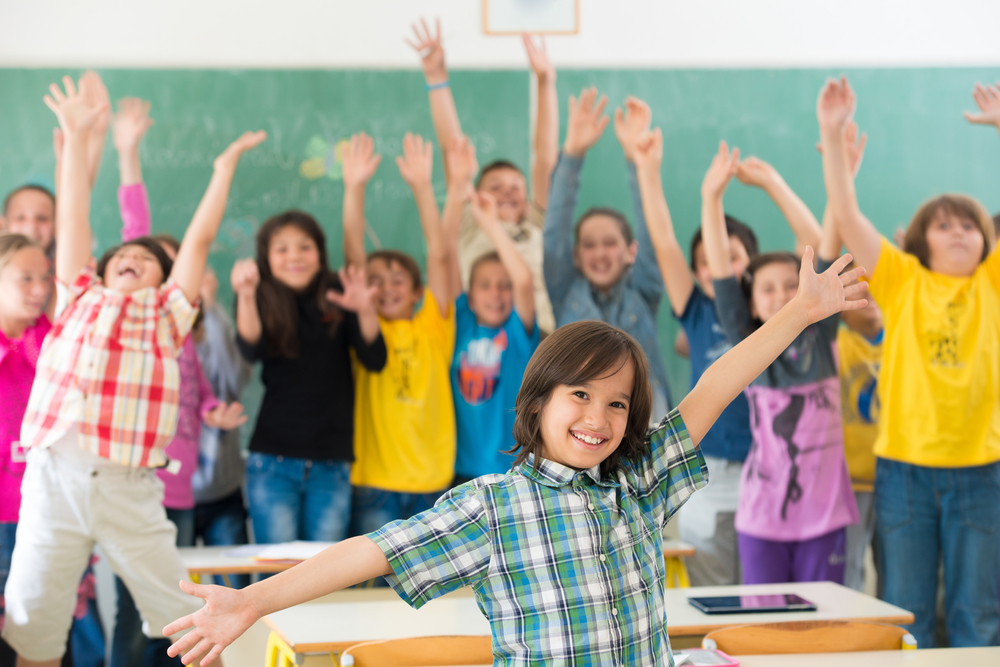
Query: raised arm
pixel 357 297
pixel 245 278
pixel 97 95
pixel 415 165
pixel 830 243
pixel 819 296
pixel 834 111
pixel 546 121
pixel 648 156
pixel 484 208
pixel 988 100
pixel 358 163
pixel 129 126
pixel 759 174
pixel 443 113
pixel 73 236
pixel 713 217
pixel 190 263
pixel 460 160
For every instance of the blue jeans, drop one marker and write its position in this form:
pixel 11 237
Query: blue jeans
pixel 924 513
pixel 373 508
pixel 223 523
pixel 298 499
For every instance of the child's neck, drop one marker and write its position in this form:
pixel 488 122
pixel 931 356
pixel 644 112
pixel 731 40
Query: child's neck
pixel 13 327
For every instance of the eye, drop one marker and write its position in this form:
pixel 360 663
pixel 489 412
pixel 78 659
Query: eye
pixel 581 395
pixel 619 405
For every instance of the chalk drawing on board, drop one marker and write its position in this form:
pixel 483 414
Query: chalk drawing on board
pixel 553 17
pixel 322 159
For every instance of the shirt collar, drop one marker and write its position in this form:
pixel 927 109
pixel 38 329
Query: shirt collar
pixel 555 475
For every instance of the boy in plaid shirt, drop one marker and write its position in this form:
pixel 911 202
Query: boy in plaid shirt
pixel 104 405
pixel 564 551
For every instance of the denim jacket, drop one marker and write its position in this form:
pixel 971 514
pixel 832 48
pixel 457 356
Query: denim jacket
pixel 632 304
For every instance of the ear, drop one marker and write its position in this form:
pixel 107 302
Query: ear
pixel 633 251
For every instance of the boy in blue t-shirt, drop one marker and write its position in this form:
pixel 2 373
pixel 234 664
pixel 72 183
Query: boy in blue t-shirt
pixel 495 331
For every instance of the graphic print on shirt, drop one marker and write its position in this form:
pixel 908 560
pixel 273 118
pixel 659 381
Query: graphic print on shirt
pixel 479 368
pixel 402 372
pixel 943 341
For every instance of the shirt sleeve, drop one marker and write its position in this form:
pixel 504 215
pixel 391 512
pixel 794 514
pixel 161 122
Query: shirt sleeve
pixel 133 203
pixel 429 320
pixel 371 355
pixel 894 268
pixel 86 279
pixel 732 309
pixel 557 264
pixel 438 551
pixel 225 367
pixel 674 468
pixel 179 312
pixel 646 278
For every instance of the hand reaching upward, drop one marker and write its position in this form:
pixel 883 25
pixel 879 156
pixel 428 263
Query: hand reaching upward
pixel 416 162
pixel 462 164
pixel 721 171
pixel 245 277
pixel 831 292
pixel 632 124
pixel 357 294
pixel 428 45
pixel 230 157
pixel 75 112
pixel 131 123
pixel 836 104
pixel 988 100
pixel 538 57
pixel 648 151
pixel 359 161
pixel 586 122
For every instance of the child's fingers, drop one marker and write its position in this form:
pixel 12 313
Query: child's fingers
pixel 56 92
pixel 182 623
pixel 185 643
pixel 51 104
pixel 212 655
pixel 69 85
pixel 200 649
pixel 854 291
pixel 619 119
pixel 601 104
pixel 852 276
pixel 602 123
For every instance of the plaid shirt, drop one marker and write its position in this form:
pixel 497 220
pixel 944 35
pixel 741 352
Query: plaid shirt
pixel 566 565
pixel 109 368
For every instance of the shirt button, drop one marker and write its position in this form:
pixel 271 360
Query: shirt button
pixel 603 557
pixel 614 612
pixel 590 506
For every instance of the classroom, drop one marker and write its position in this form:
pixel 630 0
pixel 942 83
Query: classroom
pixel 466 332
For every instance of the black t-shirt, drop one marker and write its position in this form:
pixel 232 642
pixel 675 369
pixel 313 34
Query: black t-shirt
pixel 308 406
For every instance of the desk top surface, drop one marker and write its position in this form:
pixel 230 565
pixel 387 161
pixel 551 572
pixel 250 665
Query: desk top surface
pixel 935 657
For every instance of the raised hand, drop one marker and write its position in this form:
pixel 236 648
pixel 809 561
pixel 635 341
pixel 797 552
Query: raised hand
pixel 836 104
pixel 721 171
pixel 359 161
pixel 484 209
pixel 648 150
pixel 227 614
pixel 831 292
pixel 75 112
pixel 357 294
pixel 855 146
pixel 462 164
pixel 231 156
pixel 538 57
pixel 755 172
pixel 988 100
pixel 417 160
pixel 131 123
pixel 428 45
pixel 225 417
pixel 586 122
pixel 632 124
pixel 96 93
pixel 245 277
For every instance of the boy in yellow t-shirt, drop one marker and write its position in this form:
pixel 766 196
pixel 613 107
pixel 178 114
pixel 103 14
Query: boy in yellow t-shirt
pixel 404 430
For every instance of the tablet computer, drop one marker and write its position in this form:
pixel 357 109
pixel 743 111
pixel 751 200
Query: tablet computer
pixel 745 604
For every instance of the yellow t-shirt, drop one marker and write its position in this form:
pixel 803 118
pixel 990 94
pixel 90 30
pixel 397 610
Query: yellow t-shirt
pixel 859 363
pixel 940 379
pixel 404 421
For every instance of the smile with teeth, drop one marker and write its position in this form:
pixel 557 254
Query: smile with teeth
pixel 587 439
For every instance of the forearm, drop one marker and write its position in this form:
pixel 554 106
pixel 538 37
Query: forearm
pixel 73 235
pixel 344 564
pixel 438 254
pixel 714 238
pixel 830 243
pixel 800 219
pixel 189 267
pixel 248 323
pixel 451 223
pixel 354 226
pixel 444 115
pixel 368 324
pixel 669 254
pixel 860 236
pixel 129 166
pixel 546 140
pixel 517 268
pixel 95 151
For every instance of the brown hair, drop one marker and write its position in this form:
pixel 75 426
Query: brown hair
pixel 13 243
pixel 276 301
pixel 31 187
pixel 617 216
pixel 494 166
pixel 572 355
pixel 961 206
pixel 484 259
pixel 402 260
pixel 734 229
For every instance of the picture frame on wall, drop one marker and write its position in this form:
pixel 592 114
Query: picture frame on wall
pixel 540 17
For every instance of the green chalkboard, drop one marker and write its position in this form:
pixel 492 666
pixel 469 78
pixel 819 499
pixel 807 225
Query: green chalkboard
pixel 919 144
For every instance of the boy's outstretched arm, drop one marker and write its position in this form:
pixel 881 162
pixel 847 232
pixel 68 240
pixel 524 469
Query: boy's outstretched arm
pixel 461 163
pixel 229 612
pixel 484 208
pixel 834 111
pixel 358 164
pixel 713 218
pixel 193 254
pixel 648 155
pixel 988 100
pixel 447 126
pixel 546 121
pixel 819 296
pixel 415 166
pixel 77 116
pixel 759 174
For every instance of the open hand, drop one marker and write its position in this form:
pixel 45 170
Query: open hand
pixel 836 104
pixel 357 294
pixel 428 45
pixel 225 417
pixel 359 161
pixel 721 171
pixel 539 58
pixel 632 124
pixel 227 614
pixel 831 292
pixel 231 156
pixel 96 93
pixel 755 172
pixel 462 163
pixel 648 150
pixel 417 161
pixel 245 277
pixel 131 123
pixel 988 100
pixel 484 209
pixel 75 112
pixel 586 122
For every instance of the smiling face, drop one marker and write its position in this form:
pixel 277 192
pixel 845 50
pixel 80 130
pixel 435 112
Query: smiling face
pixel 602 252
pixel 774 285
pixel 133 268
pixel 25 284
pixel 32 213
pixel 491 294
pixel 581 425
pixel 738 258
pixel 508 187
pixel 396 295
pixel 293 257
pixel 955 244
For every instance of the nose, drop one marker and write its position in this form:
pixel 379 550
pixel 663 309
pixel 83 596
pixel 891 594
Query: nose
pixel 595 418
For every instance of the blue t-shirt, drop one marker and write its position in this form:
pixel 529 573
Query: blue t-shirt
pixel 729 438
pixel 486 375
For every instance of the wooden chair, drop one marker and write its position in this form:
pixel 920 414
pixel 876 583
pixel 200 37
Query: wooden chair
pixel 417 651
pixel 809 637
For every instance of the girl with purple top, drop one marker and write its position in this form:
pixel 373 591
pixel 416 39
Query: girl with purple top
pixel 795 492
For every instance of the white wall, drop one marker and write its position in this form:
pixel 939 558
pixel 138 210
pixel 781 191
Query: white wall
pixel 614 33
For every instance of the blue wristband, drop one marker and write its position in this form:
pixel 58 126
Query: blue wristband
pixel 437 86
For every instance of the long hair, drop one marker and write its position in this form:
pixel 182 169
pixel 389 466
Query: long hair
pixel 276 302
pixel 13 243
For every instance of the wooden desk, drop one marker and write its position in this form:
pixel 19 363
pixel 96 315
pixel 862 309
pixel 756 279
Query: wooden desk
pixel 934 657
pixel 201 561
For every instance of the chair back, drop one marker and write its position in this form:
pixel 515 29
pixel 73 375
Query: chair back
pixel 418 651
pixel 809 637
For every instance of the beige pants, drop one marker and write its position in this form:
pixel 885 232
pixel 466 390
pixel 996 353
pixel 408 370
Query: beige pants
pixel 70 501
